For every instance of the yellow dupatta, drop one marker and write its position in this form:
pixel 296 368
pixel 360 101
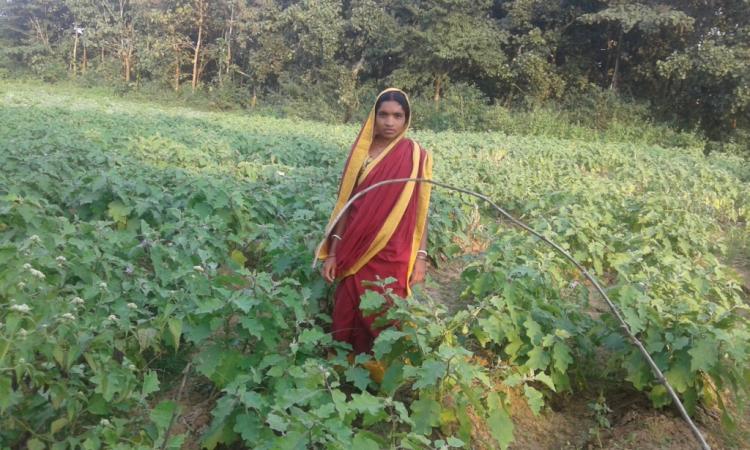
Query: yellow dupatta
pixel 352 177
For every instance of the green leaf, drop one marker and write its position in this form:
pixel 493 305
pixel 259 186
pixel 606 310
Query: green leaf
pixel 704 355
pixel 371 302
pixel 366 403
pixel 679 375
pixel 561 356
pixel 277 423
pixel 220 432
pixel 513 379
pixel 251 399
pixel 35 444
pixel 534 398
pixel 538 359
pixel 118 211
pixel 533 331
pixel 161 415
pixel 393 378
pixel 546 379
pixel 501 427
pixel 359 376
pixel 425 413
pixel 248 426
pixel 175 328
pixel 427 374
pixel 8 397
pixel 363 441
pixel 58 425
pixel 385 340
pixel 339 400
pixel 312 336
pixel 455 442
pixel 150 383
pixel 238 257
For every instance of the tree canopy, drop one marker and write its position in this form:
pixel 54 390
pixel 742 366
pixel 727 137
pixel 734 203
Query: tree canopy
pixel 689 60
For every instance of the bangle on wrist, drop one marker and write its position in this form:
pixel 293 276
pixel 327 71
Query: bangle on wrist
pixel 423 252
pixel 336 236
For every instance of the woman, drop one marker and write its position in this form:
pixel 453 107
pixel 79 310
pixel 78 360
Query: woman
pixel 383 233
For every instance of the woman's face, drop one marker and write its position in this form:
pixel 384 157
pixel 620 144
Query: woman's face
pixel 390 119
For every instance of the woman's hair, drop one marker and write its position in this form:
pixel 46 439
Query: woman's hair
pixel 396 97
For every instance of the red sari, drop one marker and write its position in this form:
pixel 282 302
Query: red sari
pixel 383 230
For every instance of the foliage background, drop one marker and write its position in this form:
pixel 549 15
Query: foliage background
pixel 599 64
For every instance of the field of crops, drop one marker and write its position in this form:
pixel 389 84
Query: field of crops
pixel 143 246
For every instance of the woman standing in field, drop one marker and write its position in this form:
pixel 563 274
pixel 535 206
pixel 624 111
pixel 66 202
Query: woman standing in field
pixel 383 233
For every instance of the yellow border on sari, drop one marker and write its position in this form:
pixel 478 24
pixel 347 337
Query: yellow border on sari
pixel 392 221
pixel 423 203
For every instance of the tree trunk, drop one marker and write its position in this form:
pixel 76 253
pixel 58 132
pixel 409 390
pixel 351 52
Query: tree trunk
pixel 177 69
pixel 229 38
pixel 41 34
pixel 438 85
pixel 615 74
pixel 85 63
pixel 350 98
pixel 127 68
pixel 73 62
pixel 254 100
pixel 196 55
pixel 102 55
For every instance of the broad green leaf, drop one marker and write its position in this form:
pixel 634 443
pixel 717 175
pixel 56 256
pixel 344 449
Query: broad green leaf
pixel 538 359
pixel 371 302
pixel 175 328
pixel 561 356
pixel 8 397
pixel 679 376
pixel 365 403
pixel 150 383
pixel 359 376
pixel 501 427
pixel 277 423
pixel 35 444
pixel 238 257
pixel 58 425
pixel 546 379
pixel 427 374
pixel 704 355
pixel 118 211
pixel 534 398
pixel 248 427
pixel 425 413
pixel 161 415
pixel 364 441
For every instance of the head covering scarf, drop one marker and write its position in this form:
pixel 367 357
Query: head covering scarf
pixel 354 175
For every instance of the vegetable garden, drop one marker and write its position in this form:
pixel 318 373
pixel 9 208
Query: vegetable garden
pixel 141 246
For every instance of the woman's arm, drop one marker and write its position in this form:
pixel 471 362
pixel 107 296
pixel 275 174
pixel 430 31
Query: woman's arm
pixel 420 265
pixel 329 267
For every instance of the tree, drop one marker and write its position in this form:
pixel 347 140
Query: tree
pixel 624 18
pixel 708 82
pixel 33 30
pixel 448 40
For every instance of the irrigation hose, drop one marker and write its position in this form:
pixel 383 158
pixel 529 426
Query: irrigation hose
pixel 657 372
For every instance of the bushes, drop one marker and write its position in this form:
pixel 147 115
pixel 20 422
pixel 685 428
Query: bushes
pixel 585 113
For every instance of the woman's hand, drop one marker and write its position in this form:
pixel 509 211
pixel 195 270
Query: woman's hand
pixel 420 268
pixel 329 269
